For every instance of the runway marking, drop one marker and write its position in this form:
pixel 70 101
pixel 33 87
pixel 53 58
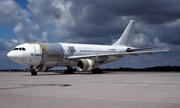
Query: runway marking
pixel 36 85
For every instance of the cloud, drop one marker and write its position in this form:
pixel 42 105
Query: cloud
pixel 27 30
pixel 174 24
pixel 88 20
pixel 7 45
pixel 11 13
pixel 140 40
pixel 91 20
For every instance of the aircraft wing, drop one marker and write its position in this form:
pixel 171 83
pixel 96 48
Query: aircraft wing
pixel 115 54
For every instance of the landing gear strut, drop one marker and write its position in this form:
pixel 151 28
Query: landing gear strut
pixel 69 70
pixel 33 71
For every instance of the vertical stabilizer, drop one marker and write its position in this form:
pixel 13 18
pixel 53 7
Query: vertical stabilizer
pixel 126 37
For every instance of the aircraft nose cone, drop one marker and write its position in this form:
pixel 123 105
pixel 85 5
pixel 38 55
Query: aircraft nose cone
pixel 12 56
pixel 9 54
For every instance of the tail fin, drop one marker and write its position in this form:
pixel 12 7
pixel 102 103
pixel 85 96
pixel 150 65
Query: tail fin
pixel 126 37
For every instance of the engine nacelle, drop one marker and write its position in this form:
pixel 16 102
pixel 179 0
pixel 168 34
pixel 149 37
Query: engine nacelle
pixel 85 65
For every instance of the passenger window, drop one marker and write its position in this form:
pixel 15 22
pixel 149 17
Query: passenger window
pixel 20 48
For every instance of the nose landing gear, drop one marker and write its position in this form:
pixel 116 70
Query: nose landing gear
pixel 33 71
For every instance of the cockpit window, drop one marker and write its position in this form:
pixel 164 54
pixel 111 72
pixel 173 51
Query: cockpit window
pixel 21 48
pixel 15 48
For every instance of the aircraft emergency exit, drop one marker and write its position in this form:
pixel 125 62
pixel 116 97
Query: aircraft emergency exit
pixel 41 56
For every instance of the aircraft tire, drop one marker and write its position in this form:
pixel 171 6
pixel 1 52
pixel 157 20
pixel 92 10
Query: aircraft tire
pixel 33 73
pixel 68 71
pixel 97 71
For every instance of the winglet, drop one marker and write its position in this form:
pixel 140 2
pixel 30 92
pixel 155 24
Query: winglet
pixel 126 37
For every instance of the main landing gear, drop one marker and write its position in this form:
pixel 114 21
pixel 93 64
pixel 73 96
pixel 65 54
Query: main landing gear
pixel 69 70
pixel 33 71
pixel 97 71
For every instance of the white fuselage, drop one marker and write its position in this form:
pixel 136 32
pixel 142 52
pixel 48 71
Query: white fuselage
pixel 55 54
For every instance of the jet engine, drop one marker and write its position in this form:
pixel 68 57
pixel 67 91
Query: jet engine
pixel 85 65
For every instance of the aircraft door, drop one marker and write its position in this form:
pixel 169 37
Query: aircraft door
pixel 23 54
pixel 37 53
pixel 37 49
pixel 66 51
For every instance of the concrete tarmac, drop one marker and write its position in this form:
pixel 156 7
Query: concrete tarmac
pixel 109 90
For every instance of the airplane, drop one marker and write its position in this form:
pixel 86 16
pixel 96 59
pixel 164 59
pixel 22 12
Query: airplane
pixel 41 56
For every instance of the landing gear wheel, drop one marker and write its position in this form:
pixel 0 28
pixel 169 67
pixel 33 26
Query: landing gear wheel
pixel 33 73
pixel 69 70
pixel 33 70
pixel 97 71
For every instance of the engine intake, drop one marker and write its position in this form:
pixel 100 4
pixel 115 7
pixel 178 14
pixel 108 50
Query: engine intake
pixel 85 65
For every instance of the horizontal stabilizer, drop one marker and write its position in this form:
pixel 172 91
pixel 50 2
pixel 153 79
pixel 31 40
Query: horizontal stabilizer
pixel 138 49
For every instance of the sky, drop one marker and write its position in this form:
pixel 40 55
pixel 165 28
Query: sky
pixel 93 22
